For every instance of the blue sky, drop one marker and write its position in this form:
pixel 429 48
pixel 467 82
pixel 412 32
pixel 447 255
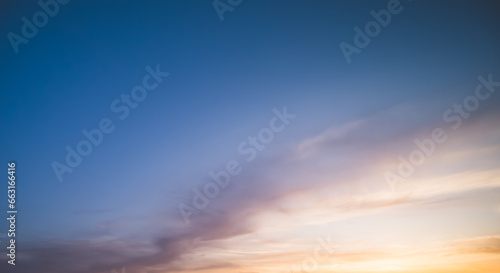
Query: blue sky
pixel 225 79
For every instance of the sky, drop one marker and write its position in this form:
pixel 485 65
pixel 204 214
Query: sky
pixel 251 136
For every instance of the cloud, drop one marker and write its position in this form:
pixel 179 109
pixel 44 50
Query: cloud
pixel 328 177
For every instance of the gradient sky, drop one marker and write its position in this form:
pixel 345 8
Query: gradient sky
pixel 321 177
